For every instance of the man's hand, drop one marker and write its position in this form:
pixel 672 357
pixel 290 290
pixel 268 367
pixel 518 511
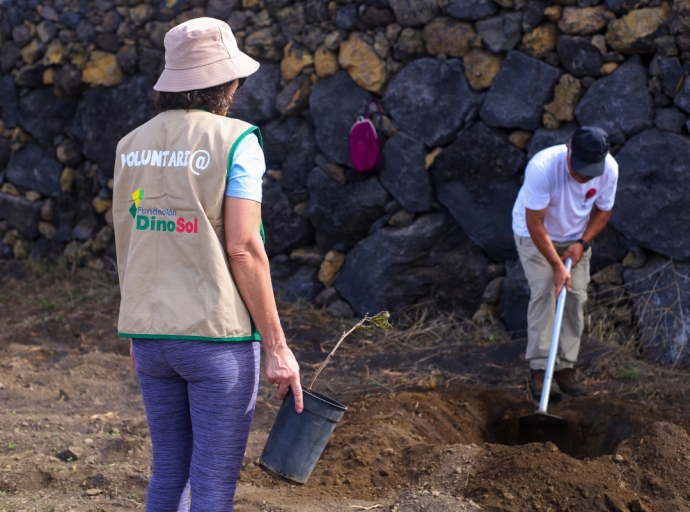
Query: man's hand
pixel 282 369
pixel 131 355
pixel 561 277
pixel 575 252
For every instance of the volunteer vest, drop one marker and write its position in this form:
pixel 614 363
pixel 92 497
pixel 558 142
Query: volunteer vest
pixel 170 180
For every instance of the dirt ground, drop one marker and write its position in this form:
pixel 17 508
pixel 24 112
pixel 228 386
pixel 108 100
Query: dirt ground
pixel 432 425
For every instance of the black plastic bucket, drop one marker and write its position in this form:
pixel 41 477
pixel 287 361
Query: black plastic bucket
pixel 297 440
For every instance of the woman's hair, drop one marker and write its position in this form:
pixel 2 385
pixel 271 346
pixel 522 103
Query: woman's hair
pixel 214 99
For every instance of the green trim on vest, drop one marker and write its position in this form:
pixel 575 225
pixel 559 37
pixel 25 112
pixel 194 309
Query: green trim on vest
pixel 254 129
pixel 231 156
pixel 254 337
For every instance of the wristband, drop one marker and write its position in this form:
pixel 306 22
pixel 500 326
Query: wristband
pixel 584 244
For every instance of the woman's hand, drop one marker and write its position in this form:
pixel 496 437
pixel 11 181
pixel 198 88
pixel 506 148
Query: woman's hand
pixel 282 369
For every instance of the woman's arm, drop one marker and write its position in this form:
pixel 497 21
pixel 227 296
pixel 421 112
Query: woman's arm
pixel 250 270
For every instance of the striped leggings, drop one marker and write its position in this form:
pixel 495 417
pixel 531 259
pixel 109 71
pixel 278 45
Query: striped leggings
pixel 199 399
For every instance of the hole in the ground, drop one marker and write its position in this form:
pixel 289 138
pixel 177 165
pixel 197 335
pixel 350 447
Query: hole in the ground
pixel 595 426
pixel 591 426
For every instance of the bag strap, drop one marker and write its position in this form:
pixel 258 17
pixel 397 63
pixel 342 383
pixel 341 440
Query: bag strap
pixel 378 107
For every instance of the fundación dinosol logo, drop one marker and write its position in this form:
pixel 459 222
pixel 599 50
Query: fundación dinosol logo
pixel 145 218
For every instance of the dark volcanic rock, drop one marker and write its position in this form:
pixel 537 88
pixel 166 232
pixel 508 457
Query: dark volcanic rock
pixel 32 168
pixel 65 215
pixel 292 282
pixel 472 9
pixel 501 33
pixel 68 79
pixel 609 247
pixel 377 17
pixel 127 59
pixel 69 19
pixel 168 9
pixel 346 17
pixel 533 15
pixel 222 9
pixel 669 71
pixel 333 119
pixel 518 94
pixel 623 6
pixel 670 119
pixel 579 56
pixel 8 57
pixel 291 20
pixel 150 62
pixel 653 192
pixel 285 230
pixel 404 174
pixel 289 145
pixel 88 223
pixel 544 138
pixel 682 99
pixel 30 76
pixel 512 306
pixel 294 98
pixel 477 178
pixel 4 153
pixel 316 11
pixel 21 214
pixel 619 103
pixel 430 100
pixel 343 214
pixel 397 267
pixel 6 252
pixel 409 46
pixel 660 292
pixel 411 13
pixel 10 104
pixel 46 250
pixel 44 115
pixel 107 114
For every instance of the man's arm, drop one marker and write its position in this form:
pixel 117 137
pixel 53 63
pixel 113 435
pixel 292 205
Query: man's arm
pixel 542 240
pixel 251 273
pixel 597 222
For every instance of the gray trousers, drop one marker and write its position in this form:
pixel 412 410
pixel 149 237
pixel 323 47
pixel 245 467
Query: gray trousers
pixel 542 305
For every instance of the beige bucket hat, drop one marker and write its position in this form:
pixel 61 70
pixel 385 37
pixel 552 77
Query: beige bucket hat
pixel 202 53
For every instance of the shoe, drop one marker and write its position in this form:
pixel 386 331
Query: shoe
pixel 566 381
pixel 537 384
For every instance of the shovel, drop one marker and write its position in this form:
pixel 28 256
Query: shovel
pixel 540 426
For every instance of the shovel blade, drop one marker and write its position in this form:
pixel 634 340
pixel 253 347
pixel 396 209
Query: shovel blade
pixel 541 427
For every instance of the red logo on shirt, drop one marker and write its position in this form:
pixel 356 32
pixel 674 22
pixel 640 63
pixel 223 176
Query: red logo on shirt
pixel 590 193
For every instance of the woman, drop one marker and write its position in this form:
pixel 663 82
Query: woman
pixel 194 276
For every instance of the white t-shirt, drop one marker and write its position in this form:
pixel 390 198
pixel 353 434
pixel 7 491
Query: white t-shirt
pixel 248 167
pixel 548 183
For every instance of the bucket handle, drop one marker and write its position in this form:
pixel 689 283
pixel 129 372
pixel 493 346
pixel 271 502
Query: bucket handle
pixel 368 324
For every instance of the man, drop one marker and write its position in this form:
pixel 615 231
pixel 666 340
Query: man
pixel 564 203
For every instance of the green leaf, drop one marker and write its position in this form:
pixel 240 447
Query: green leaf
pixel 368 328
pixel 381 321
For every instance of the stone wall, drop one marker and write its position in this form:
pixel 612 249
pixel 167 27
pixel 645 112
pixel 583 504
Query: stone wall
pixel 471 89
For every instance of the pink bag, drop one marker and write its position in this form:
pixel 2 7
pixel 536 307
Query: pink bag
pixel 365 151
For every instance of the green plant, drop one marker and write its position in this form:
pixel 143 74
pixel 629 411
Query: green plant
pixel 49 304
pixel 629 372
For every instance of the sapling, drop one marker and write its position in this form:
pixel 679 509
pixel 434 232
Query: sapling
pixel 368 324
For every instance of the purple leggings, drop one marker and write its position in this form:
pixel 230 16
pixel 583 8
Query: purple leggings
pixel 199 399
